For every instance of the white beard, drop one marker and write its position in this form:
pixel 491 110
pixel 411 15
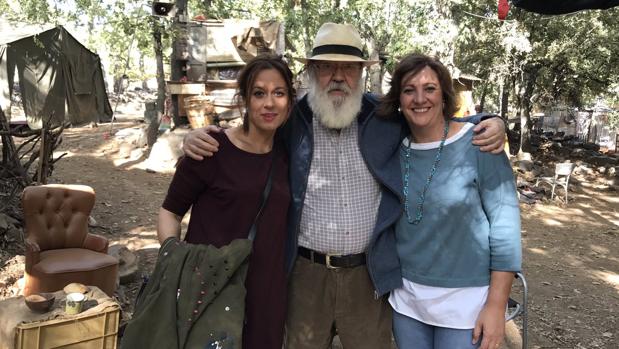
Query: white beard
pixel 334 112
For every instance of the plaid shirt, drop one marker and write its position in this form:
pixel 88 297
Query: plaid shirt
pixel 342 197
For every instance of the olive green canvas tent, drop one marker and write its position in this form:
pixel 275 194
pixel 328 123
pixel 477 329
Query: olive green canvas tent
pixel 59 78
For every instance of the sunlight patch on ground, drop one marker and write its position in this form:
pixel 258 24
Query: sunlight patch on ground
pixel 552 222
pixel 608 277
pixel 145 164
pixel 612 217
pixel 551 209
pixel 581 213
pixel 599 249
pixel 127 155
pixel 560 212
pixel 574 261
pixel 538 251
pixel 137 238
pixel 612 199
pixel 137 243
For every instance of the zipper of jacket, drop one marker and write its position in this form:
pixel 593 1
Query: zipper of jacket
pixel 363 156
pixel 310 136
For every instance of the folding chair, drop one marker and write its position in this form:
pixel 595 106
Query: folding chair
pixel 515 309
pixel 563 171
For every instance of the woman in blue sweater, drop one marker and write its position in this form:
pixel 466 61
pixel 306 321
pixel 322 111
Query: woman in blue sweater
pixel 459 237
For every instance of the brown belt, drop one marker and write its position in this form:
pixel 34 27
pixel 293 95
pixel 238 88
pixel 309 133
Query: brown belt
pixel 333 261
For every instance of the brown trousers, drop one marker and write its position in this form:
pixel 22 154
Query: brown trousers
pixel 323 302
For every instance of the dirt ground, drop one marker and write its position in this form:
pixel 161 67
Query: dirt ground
pixel 571 252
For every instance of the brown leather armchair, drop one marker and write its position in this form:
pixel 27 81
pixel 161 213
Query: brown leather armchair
pixel 59 249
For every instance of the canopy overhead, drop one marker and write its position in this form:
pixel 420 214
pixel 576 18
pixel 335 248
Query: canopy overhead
pixel 59 78
pixel 555 7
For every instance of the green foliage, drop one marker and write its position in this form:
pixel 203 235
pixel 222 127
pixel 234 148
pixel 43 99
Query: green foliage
pixel 541 60
pixel 568 59
pixel 222 9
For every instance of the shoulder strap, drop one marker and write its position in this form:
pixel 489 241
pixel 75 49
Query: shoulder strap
pixel 265 196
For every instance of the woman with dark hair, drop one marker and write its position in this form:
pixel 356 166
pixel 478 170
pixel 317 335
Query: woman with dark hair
pixel 458 240
pixel 224 193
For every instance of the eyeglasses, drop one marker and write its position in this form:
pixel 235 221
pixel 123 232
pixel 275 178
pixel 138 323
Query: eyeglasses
pixel 328 69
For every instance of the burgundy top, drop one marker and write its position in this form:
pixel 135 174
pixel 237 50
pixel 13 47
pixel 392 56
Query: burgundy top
pixel 224 192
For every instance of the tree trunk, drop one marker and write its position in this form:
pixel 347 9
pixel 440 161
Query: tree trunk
pixel 374 71
pixel 505 97
pixel 306 35
pixel 143 71
pixel 525 117
pixel 518 93
pixel 525 128
pixel 482 98
pixel 154 125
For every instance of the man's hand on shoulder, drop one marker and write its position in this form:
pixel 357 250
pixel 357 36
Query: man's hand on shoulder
pixel 199 144
pixel 490 135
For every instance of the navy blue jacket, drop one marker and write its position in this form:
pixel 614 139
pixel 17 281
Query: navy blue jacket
pixel 379 141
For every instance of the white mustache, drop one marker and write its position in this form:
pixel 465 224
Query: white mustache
pixel 339 86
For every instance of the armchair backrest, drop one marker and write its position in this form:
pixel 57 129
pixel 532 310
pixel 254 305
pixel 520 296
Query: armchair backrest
pixel 56 216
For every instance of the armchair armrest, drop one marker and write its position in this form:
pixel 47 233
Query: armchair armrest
pixel 96 243
pixel 32 253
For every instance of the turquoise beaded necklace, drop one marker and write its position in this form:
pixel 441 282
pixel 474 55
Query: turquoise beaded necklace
pixel 422 196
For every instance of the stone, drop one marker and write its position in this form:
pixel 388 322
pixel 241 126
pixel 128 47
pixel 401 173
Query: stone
pixel 135 137
pixel 513 337
pixel 127 263
pixel 525 165
pixel 13 234
pixel 525 199
pixel 166 151
pixel 591 146
pixel 578 151
pixel 602 160
pixel 6 221
pixel 556 146
pixel 583 170
pixel 142 138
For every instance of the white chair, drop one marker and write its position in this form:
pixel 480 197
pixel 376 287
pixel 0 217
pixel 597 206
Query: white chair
pixel 563 171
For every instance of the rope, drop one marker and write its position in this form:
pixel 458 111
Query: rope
pixel 542 17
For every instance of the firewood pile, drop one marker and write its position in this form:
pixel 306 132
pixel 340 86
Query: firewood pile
pixel 27 158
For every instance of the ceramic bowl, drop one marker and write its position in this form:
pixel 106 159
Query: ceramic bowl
pixel 40 302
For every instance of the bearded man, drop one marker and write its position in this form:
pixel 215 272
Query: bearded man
pixel 344 201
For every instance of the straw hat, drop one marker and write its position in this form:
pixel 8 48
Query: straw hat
pixel 337 42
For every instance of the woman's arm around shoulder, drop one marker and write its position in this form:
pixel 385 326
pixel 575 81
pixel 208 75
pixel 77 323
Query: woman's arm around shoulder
pixel 499 198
